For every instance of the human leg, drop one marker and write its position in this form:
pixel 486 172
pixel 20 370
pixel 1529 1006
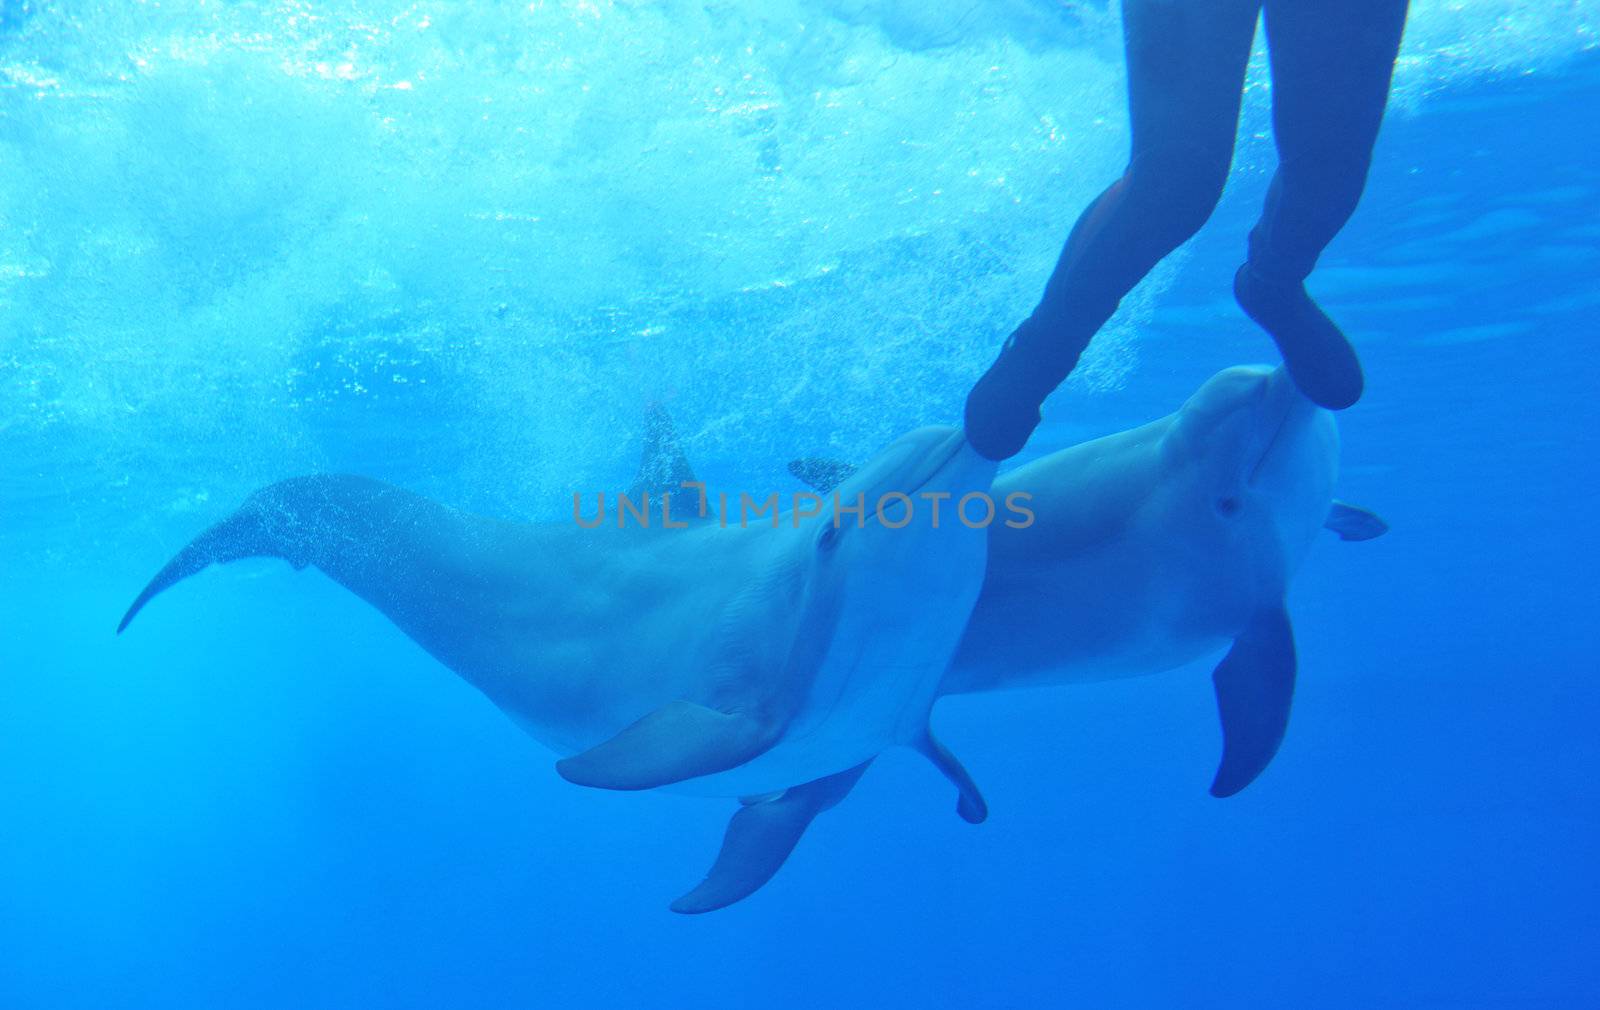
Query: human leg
pixel 1186 65
pixel 1331 66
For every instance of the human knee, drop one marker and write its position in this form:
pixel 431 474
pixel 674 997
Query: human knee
pixel 1177 188
pixel 1327 183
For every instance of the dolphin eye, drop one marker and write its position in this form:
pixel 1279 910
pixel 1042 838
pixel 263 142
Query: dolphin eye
pixel 829 539
pixel 1228 507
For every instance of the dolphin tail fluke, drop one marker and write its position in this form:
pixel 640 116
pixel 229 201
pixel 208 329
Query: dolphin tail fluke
pixel 241 535
pixel 321 519
pixel 759 839
pixel 1255 686
pixel 970 804
pixel 1352 522
pixel 678 741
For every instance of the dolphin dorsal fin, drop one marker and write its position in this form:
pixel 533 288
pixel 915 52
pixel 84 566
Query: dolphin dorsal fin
pixel 663 467
pixel 760 837
pixel 822 474
pixel 1352 522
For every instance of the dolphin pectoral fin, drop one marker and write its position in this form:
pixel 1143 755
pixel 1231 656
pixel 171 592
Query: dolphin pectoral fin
pixel 822 474
pixel 759 839
pixel 1353 522
pixel 1255 686
pixel 970 805
pixel 678 741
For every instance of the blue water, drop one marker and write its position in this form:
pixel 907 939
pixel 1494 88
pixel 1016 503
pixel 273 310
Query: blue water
pixel 460 250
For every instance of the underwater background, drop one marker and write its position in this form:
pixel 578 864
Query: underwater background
pixel 460 246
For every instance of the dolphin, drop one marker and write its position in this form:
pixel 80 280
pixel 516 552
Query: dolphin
pixel 758 659
pixel 1149 549
pixel 1157 546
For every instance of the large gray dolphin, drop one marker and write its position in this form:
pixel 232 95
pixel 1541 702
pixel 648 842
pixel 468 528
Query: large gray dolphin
pixel 1150 548
pixel 736 660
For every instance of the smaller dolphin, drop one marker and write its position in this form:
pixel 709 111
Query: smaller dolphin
pixel 1157 546
pixel 1149 549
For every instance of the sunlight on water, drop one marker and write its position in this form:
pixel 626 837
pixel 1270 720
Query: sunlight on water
pixel 236 237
